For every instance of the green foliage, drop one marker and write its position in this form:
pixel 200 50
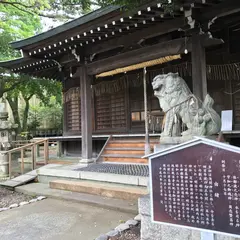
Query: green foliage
pixel 41 88
pixel 47 116
pixel 18 24
pixel 19 20
pixel 52 114
pixel 70 9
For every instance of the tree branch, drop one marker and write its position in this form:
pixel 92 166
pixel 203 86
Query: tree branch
pixel 54 16
pixel 14 4
pixel 17 3
pixel 13 86
pixel 19 8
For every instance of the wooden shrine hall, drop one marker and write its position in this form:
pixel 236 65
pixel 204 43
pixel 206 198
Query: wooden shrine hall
pixel 104 58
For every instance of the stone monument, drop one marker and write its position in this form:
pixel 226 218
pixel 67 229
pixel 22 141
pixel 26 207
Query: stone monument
pixel 186 116
pixel 6 133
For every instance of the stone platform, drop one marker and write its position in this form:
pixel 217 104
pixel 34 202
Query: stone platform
pixel 122 169
pixel 129 174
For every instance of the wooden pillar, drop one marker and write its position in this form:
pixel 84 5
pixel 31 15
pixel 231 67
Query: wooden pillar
pixel 199 74
pixel 86 115
pixel 147 141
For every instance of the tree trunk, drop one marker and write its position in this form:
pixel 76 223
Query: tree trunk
pixel 25 115
pixel 13 102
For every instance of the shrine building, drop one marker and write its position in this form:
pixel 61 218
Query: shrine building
pixel 105 58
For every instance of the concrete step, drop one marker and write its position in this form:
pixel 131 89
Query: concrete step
pixel 109 190
pixel 91 200
pixel 110 151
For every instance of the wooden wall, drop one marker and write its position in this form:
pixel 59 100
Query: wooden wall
pixel 122 111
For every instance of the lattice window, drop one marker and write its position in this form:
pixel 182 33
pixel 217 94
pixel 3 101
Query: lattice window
pixel 73 109
pixel 110 111
pixel 236 102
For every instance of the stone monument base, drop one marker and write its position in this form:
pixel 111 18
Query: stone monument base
pixel 167 142
pixel 155 231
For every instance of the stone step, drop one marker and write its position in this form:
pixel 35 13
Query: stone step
pixel 111 151
pixel 102 189
pixel 91 200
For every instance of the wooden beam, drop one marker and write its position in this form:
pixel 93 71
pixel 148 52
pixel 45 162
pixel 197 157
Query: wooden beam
pixel 159 50
pixel 222 9
pixel 132 39
pixel 86 115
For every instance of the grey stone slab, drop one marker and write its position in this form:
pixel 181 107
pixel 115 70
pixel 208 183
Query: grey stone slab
pixel 23 203
pixel 113 233
pixel 58 173
pixel 138 218
pixel 144 205
pixel 122 227
pixel 41 198
pixel 102 237
pixel 132 222
pixel 10 183
pixel 24 178
pixel 113 178
pixel 143 181
pixel 13 205
pixel 91 200
pixel 18 181
pixel 33 173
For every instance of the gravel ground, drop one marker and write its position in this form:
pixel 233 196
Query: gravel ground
pixel 132 234
pixel 8 197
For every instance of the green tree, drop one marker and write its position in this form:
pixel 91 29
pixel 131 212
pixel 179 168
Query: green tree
pixel 48 115
pixel 55 9
pixel 43 89
pixel 17 24
pixel 70 9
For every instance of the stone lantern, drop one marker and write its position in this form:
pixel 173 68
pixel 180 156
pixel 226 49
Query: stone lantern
pixel 6 133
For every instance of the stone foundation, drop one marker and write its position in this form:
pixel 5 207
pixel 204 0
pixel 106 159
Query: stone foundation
pixel 153 231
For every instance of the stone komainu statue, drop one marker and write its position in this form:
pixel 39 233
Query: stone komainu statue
pixel 180 105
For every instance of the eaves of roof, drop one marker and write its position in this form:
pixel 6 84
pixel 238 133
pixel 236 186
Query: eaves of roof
pixel 65 27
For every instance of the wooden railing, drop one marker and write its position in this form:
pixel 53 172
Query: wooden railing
pixel 33 147
pixel 103 148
